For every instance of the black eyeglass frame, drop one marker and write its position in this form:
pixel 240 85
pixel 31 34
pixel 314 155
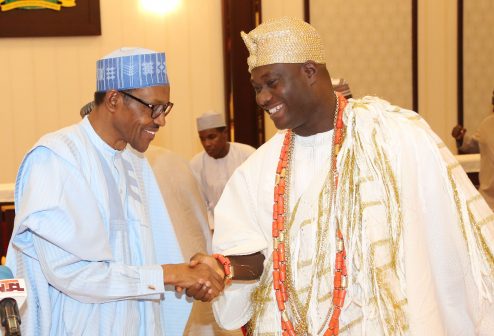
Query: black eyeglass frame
pixel 156 109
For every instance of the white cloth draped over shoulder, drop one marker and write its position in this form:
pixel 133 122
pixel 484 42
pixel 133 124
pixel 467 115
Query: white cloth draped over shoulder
pixel 419 237
pixel 90 234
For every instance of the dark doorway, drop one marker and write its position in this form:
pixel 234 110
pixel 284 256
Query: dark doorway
pixel 245 118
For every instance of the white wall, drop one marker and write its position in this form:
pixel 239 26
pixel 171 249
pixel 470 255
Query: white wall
pixel 45 81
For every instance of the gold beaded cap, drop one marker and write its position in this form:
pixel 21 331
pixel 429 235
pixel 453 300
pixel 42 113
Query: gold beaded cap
pixel 283 40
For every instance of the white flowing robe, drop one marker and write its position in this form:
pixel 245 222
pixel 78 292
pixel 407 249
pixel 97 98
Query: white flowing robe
pixel 419 237
pixel 91 231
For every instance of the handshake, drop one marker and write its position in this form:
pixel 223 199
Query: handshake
pixel 203 278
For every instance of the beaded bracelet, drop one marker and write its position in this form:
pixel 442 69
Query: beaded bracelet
pixel 227 266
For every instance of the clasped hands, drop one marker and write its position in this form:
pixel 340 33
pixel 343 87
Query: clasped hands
pixel 202 278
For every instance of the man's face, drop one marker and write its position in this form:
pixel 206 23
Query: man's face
pixel 133 123
pixel 281 90
pixel 214 142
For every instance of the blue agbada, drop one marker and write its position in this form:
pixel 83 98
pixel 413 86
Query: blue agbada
pixel 90 234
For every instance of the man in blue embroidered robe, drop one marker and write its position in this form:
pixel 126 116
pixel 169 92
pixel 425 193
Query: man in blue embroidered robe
pixel 92 236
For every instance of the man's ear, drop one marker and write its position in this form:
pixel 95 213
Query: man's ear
pixel 111 100
pixel 310 70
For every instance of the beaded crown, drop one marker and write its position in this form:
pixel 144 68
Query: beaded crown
pixel 283 40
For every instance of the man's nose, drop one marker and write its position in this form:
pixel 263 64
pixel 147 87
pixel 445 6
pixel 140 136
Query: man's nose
pixel 263 98
pixel 160 120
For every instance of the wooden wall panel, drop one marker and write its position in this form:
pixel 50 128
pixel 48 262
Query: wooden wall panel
pixel 477 67
pixel 369 43
pixel 245 119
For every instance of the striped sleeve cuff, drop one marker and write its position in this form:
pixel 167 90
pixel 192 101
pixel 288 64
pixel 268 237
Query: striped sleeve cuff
pixel 151 281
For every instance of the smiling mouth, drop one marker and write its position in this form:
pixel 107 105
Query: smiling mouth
pixel 151 132
pixel 275 109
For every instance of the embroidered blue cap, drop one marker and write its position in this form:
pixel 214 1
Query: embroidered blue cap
pixel 131 68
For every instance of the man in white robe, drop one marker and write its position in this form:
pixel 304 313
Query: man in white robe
pixel 418 238
pixel 219 159
pixel 92 237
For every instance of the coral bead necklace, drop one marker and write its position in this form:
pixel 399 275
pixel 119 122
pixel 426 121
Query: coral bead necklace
pixel 279 229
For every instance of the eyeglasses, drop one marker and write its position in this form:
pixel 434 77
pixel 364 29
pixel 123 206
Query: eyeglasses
pixel 156 110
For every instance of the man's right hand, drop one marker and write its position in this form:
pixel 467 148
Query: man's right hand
pixel 458 132
pixel 200 280
pixel 201 258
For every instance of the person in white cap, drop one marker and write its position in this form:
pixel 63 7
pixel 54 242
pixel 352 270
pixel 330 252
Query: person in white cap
pixel 92 236
pixel 219 159
pixel 354 219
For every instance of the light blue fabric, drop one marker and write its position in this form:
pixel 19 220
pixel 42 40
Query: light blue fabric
pixel 90 234
pixel 131 68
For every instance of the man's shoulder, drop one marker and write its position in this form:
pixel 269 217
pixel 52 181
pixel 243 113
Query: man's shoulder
pixel 197 157
pixel 157 154
pixel 55 151
pixel 61 137
pixel 372 105
pixel 484 131
pixel 375 111
pixel 395 126
pixel 488 121
pixel 65 142
pixel 196 162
